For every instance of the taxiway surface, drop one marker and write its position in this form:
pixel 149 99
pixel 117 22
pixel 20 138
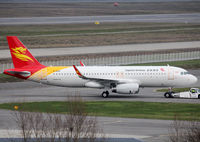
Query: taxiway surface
pixel 29 91
pixel 160 18
pixel 41 52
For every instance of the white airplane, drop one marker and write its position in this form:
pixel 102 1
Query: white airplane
pixel 118 79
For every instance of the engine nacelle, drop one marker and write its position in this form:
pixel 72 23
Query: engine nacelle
pixel 92 84
pixel 128 88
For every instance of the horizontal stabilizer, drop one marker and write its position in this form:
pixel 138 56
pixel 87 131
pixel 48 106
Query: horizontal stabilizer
pixel 22 73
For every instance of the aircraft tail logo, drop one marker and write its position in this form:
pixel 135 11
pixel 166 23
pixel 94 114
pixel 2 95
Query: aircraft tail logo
pixel 21 56
pixel 20 53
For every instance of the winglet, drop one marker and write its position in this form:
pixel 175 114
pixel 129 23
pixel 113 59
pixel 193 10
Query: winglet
pixel 82 64
pixel 78 72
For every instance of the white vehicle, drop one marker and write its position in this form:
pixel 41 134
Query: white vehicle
pixel 193 93
pixel 117 79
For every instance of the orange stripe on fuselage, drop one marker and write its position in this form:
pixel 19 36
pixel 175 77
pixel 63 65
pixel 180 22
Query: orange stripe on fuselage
pixel 43 73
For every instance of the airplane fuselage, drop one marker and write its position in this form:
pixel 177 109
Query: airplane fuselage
pixel 145 76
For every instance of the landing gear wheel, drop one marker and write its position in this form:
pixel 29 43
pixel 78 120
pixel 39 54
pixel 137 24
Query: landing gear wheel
pixel 168 94
pixel 105 94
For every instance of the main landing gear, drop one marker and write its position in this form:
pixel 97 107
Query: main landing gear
pixel 169 93
pixel 105 94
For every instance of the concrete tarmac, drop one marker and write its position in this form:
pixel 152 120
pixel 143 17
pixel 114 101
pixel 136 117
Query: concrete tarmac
pixel 160 18
pixel 29 91
pixel 39 52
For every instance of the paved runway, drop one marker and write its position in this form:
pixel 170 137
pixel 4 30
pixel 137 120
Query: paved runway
pixel 106 49
pixel 160 18
pixel 29 91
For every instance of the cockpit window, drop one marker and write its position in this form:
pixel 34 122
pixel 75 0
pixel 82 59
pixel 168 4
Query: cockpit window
pixel 184 73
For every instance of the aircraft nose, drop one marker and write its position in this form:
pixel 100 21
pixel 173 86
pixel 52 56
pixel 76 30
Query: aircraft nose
pixel 194 80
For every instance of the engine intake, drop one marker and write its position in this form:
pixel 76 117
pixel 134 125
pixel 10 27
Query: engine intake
pixel 129 88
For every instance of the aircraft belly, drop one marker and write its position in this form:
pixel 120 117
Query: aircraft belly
pixel 153 82
pixel 66 82
pixel 73 82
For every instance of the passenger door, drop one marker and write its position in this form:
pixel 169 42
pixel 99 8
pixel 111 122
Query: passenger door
pixel 170 73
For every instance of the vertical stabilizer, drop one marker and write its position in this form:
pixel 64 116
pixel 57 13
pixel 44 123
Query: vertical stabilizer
pixel 21 57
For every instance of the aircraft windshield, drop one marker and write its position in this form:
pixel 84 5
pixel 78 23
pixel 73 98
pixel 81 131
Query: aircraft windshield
pixel 184 73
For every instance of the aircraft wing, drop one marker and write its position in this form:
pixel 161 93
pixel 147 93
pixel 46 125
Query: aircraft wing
pixel 104 81
pixel 93 79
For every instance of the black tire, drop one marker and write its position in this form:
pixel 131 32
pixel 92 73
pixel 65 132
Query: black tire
pixel 199 96
pixel 167 95
pixel 105 94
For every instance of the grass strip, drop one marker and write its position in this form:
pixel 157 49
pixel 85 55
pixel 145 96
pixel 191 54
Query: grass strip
pixel 80 35
pixel 46 30
pixel 149 110
pixel 176 90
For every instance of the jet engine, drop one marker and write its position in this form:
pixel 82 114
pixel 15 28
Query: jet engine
pixel 128 88
pixel 92 84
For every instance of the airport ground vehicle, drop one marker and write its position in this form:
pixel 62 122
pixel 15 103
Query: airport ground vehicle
pixel 192 93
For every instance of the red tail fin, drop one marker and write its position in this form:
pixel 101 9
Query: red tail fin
pixel 20 55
